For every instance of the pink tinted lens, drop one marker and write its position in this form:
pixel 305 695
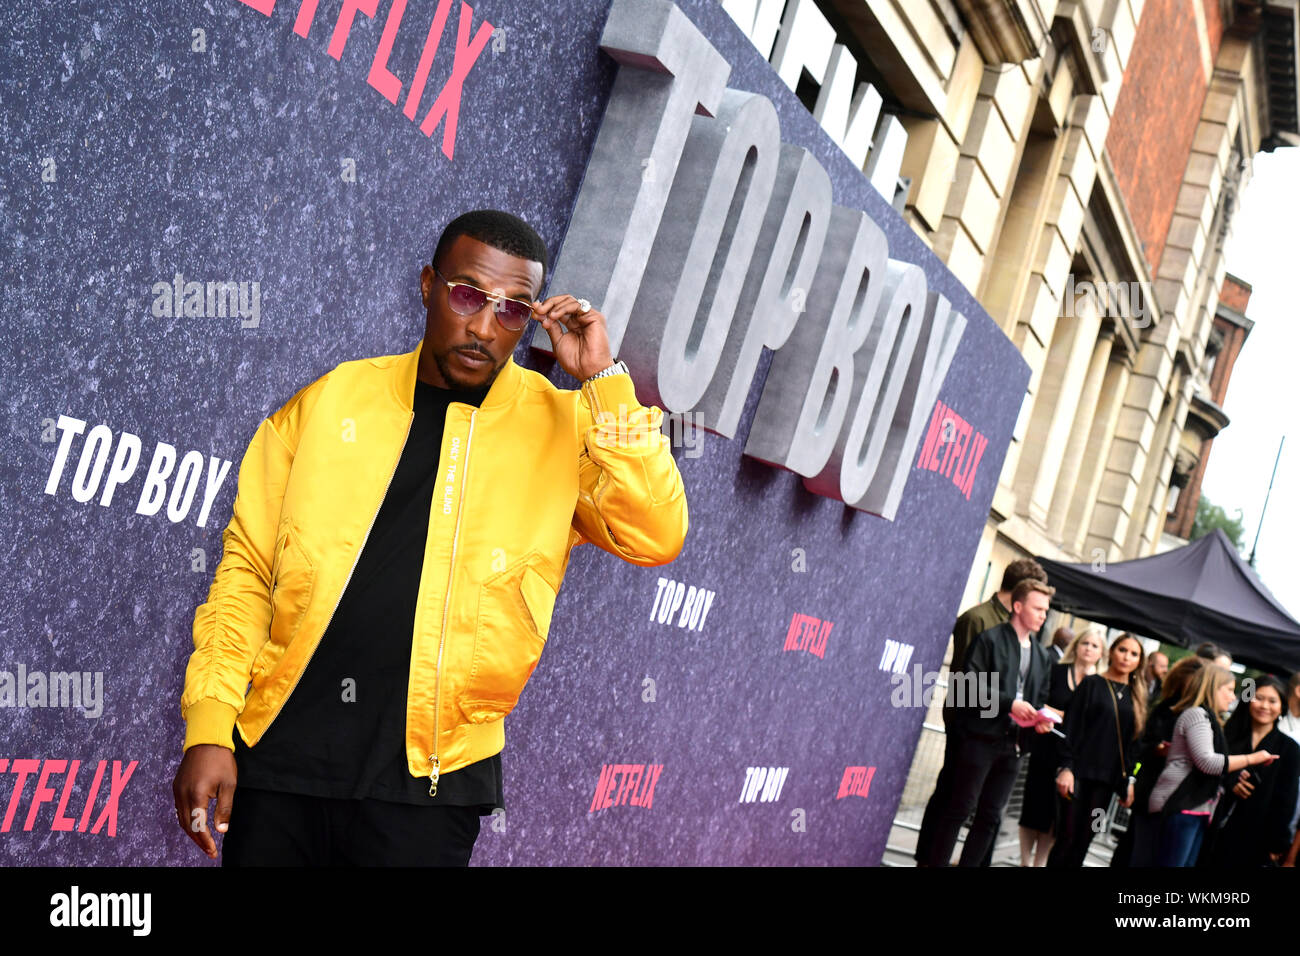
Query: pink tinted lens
pixel 466 300
pixel 512 314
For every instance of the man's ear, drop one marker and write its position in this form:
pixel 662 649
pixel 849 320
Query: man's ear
pixel 426 284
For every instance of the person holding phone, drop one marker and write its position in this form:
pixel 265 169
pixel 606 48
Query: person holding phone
pixel 1252 824
pixel 1137 845
pixel 1188 789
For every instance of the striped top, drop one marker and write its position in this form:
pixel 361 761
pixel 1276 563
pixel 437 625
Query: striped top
pixel 1192 748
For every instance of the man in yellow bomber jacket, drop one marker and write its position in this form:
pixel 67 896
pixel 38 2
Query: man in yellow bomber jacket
pixel 400 531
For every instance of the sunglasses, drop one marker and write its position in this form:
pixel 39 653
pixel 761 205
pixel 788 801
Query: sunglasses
pixel 466 299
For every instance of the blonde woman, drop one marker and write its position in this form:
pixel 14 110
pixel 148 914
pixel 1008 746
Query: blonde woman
pixel 1189 787
pixel 1038 815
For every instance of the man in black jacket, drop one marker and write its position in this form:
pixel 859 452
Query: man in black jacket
pixel 1005 675
pixel 973 622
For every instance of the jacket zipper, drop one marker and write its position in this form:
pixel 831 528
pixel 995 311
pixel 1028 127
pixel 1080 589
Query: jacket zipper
pixel 446 606
pixel 355 562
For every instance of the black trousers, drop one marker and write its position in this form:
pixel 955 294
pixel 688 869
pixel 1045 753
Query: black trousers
pixel 981 779
pixel 939 799
pixel 269 828
pixel 1137 845
pixel 1077 821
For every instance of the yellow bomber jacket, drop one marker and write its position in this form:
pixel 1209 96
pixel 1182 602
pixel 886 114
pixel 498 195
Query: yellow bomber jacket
pixel 532 472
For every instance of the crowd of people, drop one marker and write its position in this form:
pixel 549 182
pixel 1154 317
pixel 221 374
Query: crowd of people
pixel 1208 770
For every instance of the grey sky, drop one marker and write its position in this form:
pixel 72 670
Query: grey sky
pixel 1264 391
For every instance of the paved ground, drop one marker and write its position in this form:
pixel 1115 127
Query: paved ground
pixel 1006 851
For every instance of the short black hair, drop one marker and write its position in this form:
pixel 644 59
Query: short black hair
pixel 1021 570
pixel 498 229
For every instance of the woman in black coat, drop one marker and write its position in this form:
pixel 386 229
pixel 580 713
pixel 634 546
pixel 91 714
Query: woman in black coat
pixel 1038 814
pixel 1137 845
pixel 1099 752
pixel 1251 825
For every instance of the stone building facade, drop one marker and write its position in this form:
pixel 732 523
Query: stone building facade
pixel 1080 174
pixel 1076 164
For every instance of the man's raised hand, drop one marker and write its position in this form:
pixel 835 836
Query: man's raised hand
pixel 579 339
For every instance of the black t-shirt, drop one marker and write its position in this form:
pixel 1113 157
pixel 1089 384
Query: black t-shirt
pixel 342 731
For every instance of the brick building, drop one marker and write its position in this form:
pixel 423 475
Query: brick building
pixel 1205 417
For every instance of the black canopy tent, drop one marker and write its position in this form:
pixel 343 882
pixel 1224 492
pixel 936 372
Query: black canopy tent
pixel 1204 591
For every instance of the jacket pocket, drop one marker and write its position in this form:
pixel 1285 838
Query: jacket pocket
pixel 514 618
pixel 293 577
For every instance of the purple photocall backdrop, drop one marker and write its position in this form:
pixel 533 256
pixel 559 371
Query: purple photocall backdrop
pixel 138 147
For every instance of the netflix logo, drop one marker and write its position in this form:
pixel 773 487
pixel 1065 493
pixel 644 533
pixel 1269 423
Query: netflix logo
pixel 856 782
pixel 87 801
pixel 626 784
pixel 807 633
pixel 463 52
pixel 953 448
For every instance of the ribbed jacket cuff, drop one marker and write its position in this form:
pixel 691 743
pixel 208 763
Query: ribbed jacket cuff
pixel 620 420
pixel 210 721
pixel 607 393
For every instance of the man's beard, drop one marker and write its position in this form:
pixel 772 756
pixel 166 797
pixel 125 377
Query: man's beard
pixel 454 377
